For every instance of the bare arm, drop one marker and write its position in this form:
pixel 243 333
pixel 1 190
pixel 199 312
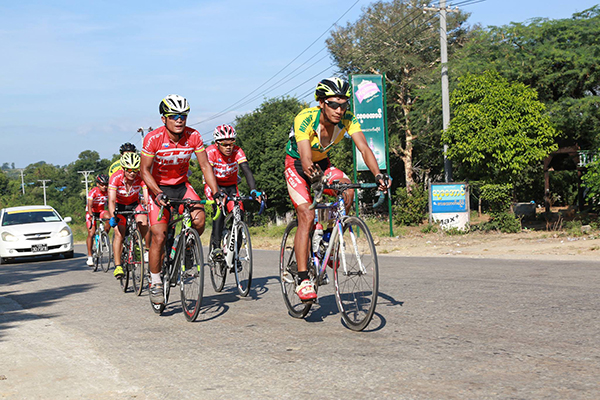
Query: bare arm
pixel 146 172
pixel 306 157
pixel 207 171
pixel 112 202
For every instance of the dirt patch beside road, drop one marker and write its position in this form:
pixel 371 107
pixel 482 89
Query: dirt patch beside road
pixel 523 245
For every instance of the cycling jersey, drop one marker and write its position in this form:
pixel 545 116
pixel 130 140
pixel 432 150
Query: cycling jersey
pixel 225 168
pixel 171 160
pixel 98 200
pixel 306 127
pixel 114 167
pixel 125 196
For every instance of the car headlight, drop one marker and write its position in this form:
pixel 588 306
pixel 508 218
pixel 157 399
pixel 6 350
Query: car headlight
pixel 9 237
pixel 64 232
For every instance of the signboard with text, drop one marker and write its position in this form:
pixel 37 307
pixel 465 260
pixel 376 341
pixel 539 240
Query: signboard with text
pixel 369 109
pixel 449 205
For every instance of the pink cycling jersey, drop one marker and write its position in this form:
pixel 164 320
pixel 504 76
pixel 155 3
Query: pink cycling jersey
pixel 171 160
pixel 125 196
pixel 225 168
pixel 98 200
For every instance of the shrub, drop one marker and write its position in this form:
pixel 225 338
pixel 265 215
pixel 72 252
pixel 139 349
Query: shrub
pixel 505 222
pixel 429 228
pixel 410 208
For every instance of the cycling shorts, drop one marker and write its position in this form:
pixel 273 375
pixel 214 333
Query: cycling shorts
pixel 181 191
pixel 230 191
pixel 89 217
pixel 298 184
pixel 126 207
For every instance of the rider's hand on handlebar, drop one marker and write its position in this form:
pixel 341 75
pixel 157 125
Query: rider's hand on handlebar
pixel 113 222
pixel 220 197
pixel 162 199
pixel 258 195
pixel 384 182
pixel 315 173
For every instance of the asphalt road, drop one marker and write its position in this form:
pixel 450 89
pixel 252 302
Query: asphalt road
pixel 445 328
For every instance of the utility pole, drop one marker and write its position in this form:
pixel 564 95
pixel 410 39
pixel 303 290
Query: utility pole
pixel 143 131
pixel 445 91
pixel 44 185
pixel 22 181
pixel 85 176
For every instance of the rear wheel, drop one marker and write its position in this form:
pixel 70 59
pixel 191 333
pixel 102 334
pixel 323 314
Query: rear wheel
pixel 137 264
pixel 190 264
pixel 356 274
pixel 288 273
pixel 125 260
pixel 243 261
pixel 105 251
pixel 96 251
pixel 218 270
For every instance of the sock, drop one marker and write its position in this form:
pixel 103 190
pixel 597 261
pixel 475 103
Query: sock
pixel 155 278
pixel 303 275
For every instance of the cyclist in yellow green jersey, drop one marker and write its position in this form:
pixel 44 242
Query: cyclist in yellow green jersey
pixel 125 148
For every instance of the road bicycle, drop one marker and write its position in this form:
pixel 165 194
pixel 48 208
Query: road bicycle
pixel 183 263
pixel 237 249
pixel 132 255
pixel 101 248
pixel 349 251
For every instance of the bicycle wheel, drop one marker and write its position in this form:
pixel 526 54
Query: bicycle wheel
pixel 243 262
pixel 105 251
pixel 125 260
pixel 218 271
pixel 96 251
pixel 136 264
pixel 356 273
pixel 189 262
pixel 288 274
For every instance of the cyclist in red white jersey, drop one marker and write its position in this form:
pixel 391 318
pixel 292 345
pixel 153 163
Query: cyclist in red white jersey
pixel 166 155
pixel 315 131
pixel 225 157
pixel 94 209
pixel 124 190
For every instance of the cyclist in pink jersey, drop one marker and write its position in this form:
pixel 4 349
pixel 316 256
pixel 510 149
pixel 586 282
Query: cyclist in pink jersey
pixel 96 200
pixel 124 189
pixel 166 155
pixel 225 156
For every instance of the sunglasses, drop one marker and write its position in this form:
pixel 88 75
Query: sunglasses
pixel 176 117
pixel 228 144
pixel 334 106
pixel 131 170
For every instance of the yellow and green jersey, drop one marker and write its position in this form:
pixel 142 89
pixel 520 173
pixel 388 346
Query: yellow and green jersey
pixel 306 127
pixel 114 167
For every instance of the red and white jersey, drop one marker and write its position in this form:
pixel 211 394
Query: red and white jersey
pixel 124 195
pixel 98 199
pixel 171 160
pixel 225 168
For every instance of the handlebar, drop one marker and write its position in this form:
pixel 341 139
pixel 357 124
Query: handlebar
pixel 189 202
pixel 319 188
pixel 263 204
pixel 133 212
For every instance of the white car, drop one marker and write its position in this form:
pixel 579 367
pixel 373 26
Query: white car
pixel 34 231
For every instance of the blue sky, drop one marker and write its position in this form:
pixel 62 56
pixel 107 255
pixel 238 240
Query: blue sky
pixel 85 75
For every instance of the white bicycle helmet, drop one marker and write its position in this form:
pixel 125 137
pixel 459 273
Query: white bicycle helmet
pixel 174 104
pixel 224 132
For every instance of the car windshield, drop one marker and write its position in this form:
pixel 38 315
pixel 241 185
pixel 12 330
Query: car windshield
pixel 29 217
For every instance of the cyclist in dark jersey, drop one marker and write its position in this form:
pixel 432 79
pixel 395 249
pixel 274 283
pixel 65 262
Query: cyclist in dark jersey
pixel 315 131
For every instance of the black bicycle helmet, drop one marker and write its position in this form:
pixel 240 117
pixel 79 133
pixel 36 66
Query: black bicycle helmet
pixel 127 147
pixel 102 179
pixel 332 87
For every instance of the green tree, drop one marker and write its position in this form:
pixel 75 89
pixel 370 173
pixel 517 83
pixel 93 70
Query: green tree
pixel 498 128
pixel 398 40
pixel 262 134
pixel 557 58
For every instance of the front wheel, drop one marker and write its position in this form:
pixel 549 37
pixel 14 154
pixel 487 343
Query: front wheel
pixel 137 264
pixel 105 251
pixel 218 271
pixel 125 260
pixel 190 262
pixel 288 273
pixel 243 261
pixel 356 273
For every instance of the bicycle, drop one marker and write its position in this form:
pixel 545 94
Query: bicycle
pixel 237 250
pixel 101 248
pixel 132 255
pixel 349 251
pixel 183 262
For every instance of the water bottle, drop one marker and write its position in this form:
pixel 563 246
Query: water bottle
pixel 174 247
pixel 317 237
